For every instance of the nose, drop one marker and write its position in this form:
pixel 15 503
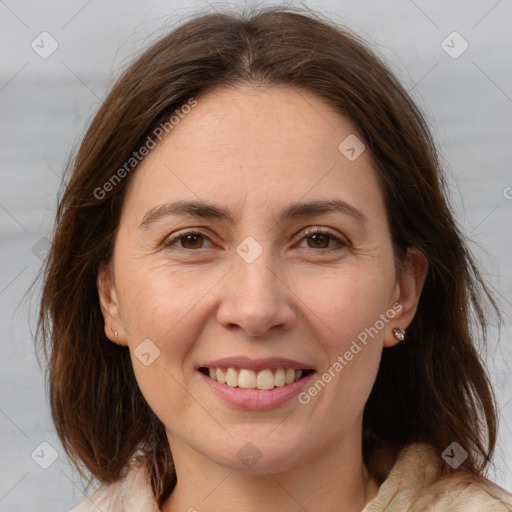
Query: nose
pixel 256 299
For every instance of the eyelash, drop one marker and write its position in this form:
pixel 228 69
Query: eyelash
pixel 307 233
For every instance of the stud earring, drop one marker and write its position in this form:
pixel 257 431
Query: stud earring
pixel 399 333
pixel 115 333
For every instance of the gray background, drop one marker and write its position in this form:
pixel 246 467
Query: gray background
pixel 45 105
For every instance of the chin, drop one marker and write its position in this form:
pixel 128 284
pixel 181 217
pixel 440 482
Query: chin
pixel 257 454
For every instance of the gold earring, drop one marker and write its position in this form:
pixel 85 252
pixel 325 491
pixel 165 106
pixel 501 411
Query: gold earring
pixel 399 333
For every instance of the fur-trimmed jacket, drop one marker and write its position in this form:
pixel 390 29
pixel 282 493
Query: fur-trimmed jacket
pixel 413 484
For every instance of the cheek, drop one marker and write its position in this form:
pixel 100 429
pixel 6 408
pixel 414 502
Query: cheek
pixel 156 301
pixel 351 317
pixel 163 389
pixel 158 308
pixel 347 303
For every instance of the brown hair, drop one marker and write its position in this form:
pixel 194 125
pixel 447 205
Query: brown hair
pixel 433 387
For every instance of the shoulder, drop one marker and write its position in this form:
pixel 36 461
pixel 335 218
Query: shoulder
pixel 103 499
pixel 415 483
pixel 466 493
pixel 132 493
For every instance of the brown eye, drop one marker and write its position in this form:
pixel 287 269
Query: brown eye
pixel 319 241
pixel 321 238
pixel 192 241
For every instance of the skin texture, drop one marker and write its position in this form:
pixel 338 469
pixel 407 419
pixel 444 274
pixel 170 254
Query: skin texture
pixel 255 150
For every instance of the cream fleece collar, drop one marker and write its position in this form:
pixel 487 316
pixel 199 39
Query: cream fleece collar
pixel 414 484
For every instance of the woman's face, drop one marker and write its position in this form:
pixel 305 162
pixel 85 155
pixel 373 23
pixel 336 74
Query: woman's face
pixel 233 275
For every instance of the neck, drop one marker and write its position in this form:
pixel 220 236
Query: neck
pixel 331 480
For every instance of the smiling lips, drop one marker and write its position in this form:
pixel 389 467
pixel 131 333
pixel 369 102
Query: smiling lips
pixel 255 384
pixel 262 374
pixel 245 378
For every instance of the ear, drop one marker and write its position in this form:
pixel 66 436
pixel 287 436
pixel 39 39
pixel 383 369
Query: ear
pixel 407 293
pixel 109 305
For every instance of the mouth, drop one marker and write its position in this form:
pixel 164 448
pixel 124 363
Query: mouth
pixel 264 379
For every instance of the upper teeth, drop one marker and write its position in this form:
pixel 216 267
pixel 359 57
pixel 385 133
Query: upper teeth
pixel 263 379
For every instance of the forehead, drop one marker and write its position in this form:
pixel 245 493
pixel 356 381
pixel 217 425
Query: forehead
pixel 274 124
pixel 258 145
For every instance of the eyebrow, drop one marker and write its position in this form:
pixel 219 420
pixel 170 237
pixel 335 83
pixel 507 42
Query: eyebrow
pixel 211 211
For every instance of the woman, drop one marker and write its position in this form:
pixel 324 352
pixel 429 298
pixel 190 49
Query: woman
pixel 257 297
